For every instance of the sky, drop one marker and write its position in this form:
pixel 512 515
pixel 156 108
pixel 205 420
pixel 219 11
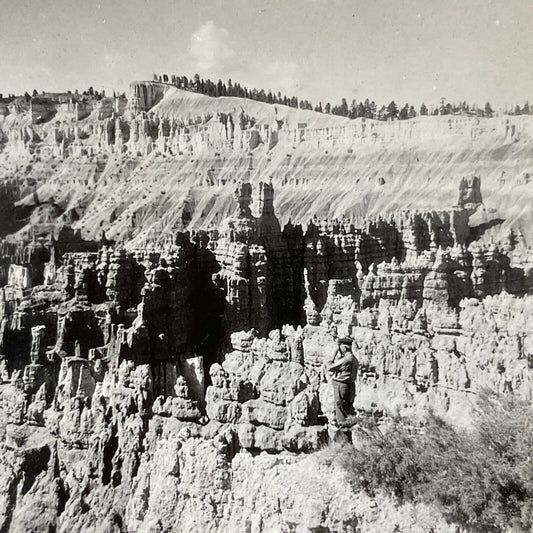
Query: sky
pixel 323 50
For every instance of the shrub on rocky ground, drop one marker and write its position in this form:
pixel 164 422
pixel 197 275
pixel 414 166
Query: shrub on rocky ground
pixel 482 478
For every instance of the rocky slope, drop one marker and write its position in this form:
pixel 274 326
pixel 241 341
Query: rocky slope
pixel 168 160
pixel 164 326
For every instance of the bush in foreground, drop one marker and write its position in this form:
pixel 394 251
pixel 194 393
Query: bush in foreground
pixel 482 479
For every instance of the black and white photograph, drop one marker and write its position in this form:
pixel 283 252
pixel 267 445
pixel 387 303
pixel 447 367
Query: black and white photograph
pixel 266 266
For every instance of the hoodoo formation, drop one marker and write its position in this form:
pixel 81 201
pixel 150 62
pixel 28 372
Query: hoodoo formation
pixel 175 270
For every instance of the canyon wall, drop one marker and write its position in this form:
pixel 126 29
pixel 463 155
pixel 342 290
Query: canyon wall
pixel 166 160
pixel 175 271
pixel 143 385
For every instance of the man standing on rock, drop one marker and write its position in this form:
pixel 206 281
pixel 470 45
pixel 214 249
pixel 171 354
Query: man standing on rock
pixel 343 372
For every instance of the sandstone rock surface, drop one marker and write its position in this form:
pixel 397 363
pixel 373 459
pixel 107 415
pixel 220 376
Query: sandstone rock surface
pixel 174 380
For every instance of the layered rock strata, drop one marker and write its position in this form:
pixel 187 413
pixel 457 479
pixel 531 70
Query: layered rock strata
pixel 163 160
pixel 130 377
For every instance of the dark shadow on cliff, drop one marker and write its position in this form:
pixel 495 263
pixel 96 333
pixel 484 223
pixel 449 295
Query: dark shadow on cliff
pixel 476 232
pixel 208 306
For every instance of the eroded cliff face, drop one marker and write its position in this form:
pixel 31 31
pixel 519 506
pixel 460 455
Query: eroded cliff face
pixel 165 318
pixel 182 387
pixel 166 160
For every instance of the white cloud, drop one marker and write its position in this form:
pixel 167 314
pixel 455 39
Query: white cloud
pixel 211 50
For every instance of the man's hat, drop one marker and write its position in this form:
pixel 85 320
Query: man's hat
pixel 345 340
